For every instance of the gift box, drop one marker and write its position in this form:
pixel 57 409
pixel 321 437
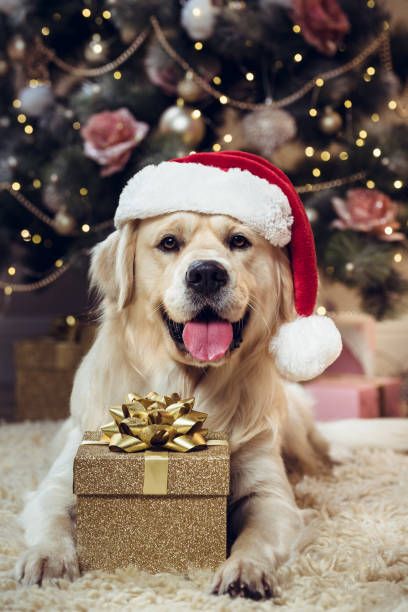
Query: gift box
pixel 44 371
pixel 353 396
pixel 359 343
pixel 157 511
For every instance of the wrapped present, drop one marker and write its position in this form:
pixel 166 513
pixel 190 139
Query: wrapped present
pixel 159 501
pixel 44 371
pixel 359 342
pixel 353 396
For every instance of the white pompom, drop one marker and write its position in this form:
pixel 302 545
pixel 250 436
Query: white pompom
pixel 198 18
pixel 305 347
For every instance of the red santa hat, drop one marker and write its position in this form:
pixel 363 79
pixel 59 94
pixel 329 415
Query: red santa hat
pixel 252 190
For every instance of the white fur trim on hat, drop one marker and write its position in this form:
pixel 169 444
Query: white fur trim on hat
pixel 305 347
pixel 174 187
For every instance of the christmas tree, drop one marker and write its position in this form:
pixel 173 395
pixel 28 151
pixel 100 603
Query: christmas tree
pixel 93 91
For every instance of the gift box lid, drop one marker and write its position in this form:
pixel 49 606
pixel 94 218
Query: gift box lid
pixel 99 471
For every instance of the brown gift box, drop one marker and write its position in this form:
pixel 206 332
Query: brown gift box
pixel 44 370
pixel 118 525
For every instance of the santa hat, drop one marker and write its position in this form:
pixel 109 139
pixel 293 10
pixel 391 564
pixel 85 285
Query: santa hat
pixel 252 190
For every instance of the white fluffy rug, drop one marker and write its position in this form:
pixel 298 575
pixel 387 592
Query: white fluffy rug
pixel 358 560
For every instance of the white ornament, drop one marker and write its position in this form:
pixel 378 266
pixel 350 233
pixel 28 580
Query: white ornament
pixel 198 18
pixel 268 128
pixel 36 100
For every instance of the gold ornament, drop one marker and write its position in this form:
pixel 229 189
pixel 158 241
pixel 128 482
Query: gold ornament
pixel 289 156
pixel 330 122
pixel 185 122
pixel 64 223
pixel 188 89
pixel 267 129
pixel 16 48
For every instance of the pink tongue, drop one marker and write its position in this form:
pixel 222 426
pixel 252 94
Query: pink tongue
pixel 207 341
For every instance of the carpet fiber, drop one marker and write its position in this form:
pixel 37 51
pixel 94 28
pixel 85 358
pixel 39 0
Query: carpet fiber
pixel 357 561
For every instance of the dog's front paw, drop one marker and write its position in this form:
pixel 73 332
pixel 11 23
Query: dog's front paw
pixel 43 563
pixel 245 577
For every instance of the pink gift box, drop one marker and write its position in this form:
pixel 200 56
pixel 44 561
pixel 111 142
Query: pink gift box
pixel 359 342
pixel 344 397
pixel 353 396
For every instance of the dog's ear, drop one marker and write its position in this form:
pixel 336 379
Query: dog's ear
pixel 112 270
pixel 286 308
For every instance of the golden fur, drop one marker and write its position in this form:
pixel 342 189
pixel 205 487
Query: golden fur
pixel 242 392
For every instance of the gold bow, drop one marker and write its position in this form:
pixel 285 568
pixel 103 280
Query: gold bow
pixel 158 422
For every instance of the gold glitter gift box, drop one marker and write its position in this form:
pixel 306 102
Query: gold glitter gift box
pixel 120 525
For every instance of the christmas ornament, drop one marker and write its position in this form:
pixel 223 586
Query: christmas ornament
pixel 330 122
pixel 182 121
pixel 3 67
pixel 64 223
pixel 110 137
pixel 289 156
pixel 250 189
pixel 16 48
pixel 36 100
pixel 188 89
pixel 96 50
pixel 198 18
pixel 268 128
pixel 370 211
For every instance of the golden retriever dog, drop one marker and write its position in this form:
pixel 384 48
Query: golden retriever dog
pixel 156 276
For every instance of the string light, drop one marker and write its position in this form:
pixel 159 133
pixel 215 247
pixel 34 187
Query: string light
pixel 388 230
pixel 83 191
pixel 377 152
pixel 85 228
pixel 86 13
pixel 180 102
pixel 397 257
pixel 316 172
pixel 296 28
pixel 375 117
pixel 370 184
pixel 363 134
pixel 196 12
pixel 398 184
pixel 8 290
pixel 371 70
pixel 28 129
pixel 117 75
pixel 196 114
pixel 58 263
pixel 76 125
pixel 223 99
pixel 70 320
pixel 309 151
pixel 319 82
pixel 11 271
pixel 298 57
pixel 198 45
pixel 216 147
pixel 343 155
pixel 217 80
pixel 313 112
pixel 37 239
pixel 106 14
pixel 325 156
pixel 36 183
pixel 16 186
pixel 227 138
pixel 21 118
pixel 45 31
pixel 25 234
pixel 249 76
pixel 392 104
pixel 33 82
pixel 348 103
pixel 321 310
pixel 370 3
pixel 360 142
pixel 16 103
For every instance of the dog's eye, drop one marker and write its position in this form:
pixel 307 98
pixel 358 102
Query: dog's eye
pixel 238 241
pixel 169 243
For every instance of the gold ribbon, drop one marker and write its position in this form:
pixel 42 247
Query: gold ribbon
pixel 156 422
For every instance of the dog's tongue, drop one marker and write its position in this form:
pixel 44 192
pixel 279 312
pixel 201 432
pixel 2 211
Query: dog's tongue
pixel 207 341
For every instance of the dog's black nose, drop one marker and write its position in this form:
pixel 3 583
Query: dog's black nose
pixel 206 276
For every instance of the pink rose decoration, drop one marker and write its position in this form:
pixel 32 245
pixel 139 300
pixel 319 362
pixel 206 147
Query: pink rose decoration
pixel 110 137
pixel 368 210
pixel 323 23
